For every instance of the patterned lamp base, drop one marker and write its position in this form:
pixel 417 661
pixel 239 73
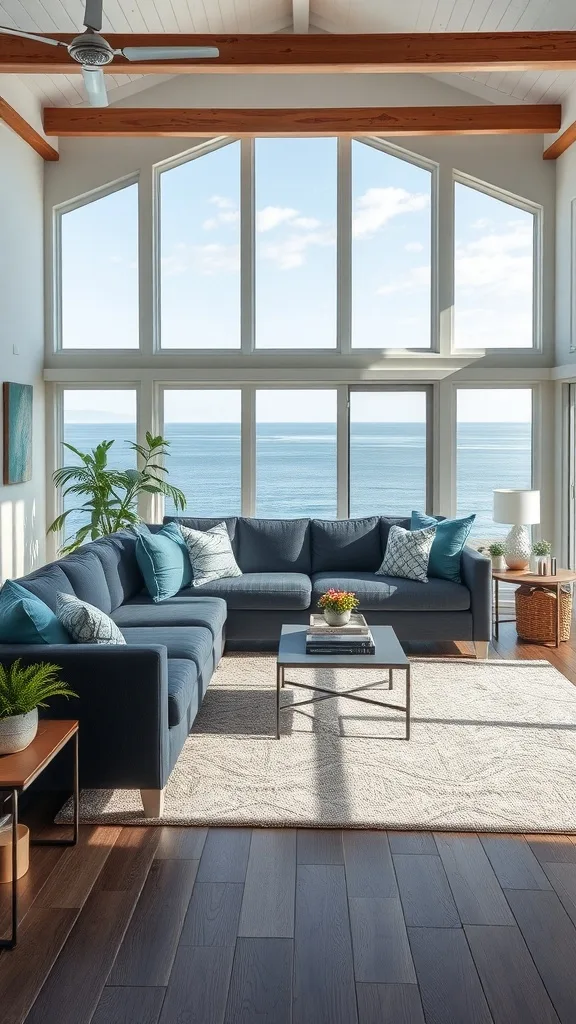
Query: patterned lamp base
pixel 517 548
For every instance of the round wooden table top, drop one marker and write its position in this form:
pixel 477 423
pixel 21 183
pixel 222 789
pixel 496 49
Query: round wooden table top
pixel 524 576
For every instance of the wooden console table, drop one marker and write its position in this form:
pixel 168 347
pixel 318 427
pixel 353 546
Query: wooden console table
pixel 17 772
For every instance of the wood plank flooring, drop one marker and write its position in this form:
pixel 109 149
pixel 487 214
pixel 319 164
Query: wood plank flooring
pixel 240 926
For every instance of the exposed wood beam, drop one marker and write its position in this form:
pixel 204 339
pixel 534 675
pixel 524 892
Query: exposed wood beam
pixel 419 52
pixel 153 122
pixel 561 144
pixel 14 120
pixel 301 16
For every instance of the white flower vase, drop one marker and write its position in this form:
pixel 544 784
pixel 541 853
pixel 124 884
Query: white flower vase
pixel 18 731
pixel 334 618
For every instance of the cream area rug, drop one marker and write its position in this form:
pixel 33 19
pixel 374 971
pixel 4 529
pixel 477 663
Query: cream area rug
pixel 493 748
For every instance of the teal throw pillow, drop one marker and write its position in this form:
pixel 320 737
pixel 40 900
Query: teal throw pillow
pixel 451 536
pixel 164 562
pixel 25 619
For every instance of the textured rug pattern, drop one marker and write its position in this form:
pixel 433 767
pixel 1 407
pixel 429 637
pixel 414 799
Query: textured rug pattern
pixel 493 748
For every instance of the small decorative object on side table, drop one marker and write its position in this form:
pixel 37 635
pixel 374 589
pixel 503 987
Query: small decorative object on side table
pixel 17 772
pixel 522 509
pixel 530 583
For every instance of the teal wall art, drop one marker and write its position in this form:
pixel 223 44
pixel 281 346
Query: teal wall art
pixel 17 421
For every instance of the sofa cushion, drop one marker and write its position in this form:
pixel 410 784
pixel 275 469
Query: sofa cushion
pixel 211 555
pixel 85 623
pixel 274 545
pixel 191 643
pixel 182 689
pixel 389 593
pixel 86 574
pixel 263 591
pixel 386 522
pixel 449 540
pixel 117 554
pixel 163 560
pixel 25 619
pixel 184 609
pixel 47 582
pixel 345 544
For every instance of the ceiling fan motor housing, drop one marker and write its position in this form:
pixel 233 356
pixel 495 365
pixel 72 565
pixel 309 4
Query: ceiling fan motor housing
pixel 90 49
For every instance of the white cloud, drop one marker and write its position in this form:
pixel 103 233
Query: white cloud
pixel 499 263
pixel 272 216
pixel 291 251
pixel 377 206
pixel 416 279
pixel 228 213
pixel 414 247
pixel 222 202
pixel 309 223
pixel 205 259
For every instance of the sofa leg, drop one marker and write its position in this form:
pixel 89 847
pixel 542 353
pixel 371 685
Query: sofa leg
pixel 153 802
pixel 481 648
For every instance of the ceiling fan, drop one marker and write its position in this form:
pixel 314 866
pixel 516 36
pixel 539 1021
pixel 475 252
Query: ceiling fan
pixel 91 51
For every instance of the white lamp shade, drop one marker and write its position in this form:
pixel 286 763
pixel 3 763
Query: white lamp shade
pixel 517 507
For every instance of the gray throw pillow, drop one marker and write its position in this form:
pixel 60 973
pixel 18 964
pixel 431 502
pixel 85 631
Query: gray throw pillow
pixel 85 623
pixel 211 554
pixel 407 553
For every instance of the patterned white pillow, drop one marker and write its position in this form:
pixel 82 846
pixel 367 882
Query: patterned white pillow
pixel 407 553
pixel 85 623
pixel 211 554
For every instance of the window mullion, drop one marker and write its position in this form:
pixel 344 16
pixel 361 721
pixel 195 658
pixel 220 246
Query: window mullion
pixel 247 246
pixel 248 450
pixel 344 246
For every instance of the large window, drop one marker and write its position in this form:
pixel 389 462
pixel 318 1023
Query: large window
pixel 99 272
pixel 203 428
pixel 493 272
pixel 90 417
pixel 295 222
pixel 296 453
pixel 200 251
pixel 391 262
pixel 494 438
pixel 387 452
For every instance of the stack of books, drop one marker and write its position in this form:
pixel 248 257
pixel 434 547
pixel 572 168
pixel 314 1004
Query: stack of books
pixel 353 638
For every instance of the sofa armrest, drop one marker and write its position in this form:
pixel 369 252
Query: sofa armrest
pixel 122 708
pixel 476 571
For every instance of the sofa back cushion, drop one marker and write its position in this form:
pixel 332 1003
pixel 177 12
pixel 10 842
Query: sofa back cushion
pixel 274 545
pixel 46 582
pixel 86 574
pixel 117 555
pixel 386 522
pixel 343 544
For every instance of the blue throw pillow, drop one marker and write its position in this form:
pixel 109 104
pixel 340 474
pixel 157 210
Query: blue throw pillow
pixel 25 619
pixel 451 536
pixel 164 561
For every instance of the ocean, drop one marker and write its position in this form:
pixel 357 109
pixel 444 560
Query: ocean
pixel 296 466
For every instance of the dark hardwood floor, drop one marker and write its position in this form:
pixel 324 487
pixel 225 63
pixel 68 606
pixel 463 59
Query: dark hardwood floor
pixel 233 926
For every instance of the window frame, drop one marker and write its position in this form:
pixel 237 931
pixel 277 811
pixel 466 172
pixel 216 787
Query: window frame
pixel 58 212
pixel 537 211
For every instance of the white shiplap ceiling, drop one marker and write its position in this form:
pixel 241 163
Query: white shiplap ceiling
pixel 328 15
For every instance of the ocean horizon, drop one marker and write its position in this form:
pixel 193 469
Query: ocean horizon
pixel 296 467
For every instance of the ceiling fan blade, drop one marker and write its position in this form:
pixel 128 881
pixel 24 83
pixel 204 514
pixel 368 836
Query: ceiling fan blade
pixel 168 52
pixel 30 35
pixel 95 86
pixel 93 15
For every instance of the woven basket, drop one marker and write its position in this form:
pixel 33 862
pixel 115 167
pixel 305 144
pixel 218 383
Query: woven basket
pixel 536 614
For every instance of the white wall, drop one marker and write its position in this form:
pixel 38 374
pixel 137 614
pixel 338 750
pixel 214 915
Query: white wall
pixel 22 516
pixel 566 251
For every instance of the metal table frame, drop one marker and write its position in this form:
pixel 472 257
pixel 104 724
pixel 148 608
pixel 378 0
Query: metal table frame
pixel 348 694
pixel 14 795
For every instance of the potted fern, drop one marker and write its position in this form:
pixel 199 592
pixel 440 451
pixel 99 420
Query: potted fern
pixel 24 689
pixel 107 498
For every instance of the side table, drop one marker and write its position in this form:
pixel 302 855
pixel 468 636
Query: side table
pixel 17 772
pixel 563 576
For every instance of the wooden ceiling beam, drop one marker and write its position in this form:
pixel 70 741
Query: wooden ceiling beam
pixel 419 52
pixel 561 144
pixel 18 124
pixel 154 122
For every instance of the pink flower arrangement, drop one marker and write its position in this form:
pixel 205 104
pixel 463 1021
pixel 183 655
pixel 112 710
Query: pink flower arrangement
pixel 338 600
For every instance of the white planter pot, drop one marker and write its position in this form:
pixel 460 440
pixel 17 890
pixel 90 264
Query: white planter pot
pixel 18 731
pixel 336 618
pixel 498 563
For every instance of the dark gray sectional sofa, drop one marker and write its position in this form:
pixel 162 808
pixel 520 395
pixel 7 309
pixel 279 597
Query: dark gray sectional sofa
pixel 138 702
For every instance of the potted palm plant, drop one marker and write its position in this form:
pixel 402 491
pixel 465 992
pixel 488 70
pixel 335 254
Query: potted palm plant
pixel 24 689
pixel 108 497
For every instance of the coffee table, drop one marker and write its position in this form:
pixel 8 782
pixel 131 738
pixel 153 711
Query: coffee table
pixel 389 655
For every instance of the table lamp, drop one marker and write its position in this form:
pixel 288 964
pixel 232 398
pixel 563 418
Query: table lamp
pixel 522 509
